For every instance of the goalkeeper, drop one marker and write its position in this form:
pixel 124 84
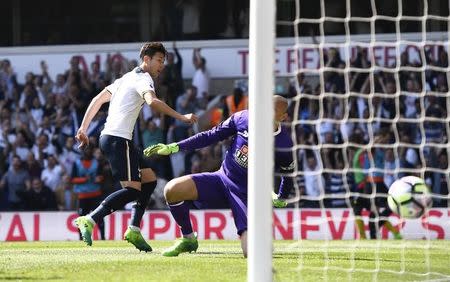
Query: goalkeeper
pixel 227 187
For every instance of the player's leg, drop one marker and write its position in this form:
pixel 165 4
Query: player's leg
pixel 86 206
pixel 238 205
pixel 148 185
pixel 392 229
pixel 369 203
pixel 357 205
pixel 133 232
pixel 124 168
pixel 93 203
pixel 203 188
pixel 178 193
pixel 381 202
pixel 373 222
pixel 83 209
pixel 386 223
pixel 244 243
pixel 236 196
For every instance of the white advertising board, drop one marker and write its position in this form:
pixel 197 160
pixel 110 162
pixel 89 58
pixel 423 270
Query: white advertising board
pixel 332 224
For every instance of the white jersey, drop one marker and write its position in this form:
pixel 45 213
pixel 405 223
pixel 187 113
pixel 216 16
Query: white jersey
pixel 126 102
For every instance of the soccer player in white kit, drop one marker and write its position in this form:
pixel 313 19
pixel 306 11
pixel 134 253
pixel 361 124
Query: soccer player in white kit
pixel 126 96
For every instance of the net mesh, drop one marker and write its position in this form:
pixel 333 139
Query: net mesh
pixel 371 78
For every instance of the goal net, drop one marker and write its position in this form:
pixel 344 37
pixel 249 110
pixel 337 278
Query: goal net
pixel 369 103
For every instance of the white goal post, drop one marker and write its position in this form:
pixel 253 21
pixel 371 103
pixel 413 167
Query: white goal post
pixel 260 165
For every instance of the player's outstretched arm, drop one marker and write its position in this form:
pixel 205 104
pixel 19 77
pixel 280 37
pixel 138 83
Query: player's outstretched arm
pixel 103 97
pixel 199 140
pixel 160 106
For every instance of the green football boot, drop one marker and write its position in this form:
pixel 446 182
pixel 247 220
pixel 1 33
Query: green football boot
pixel 182 245
pixel 135 237
pixel 398 236
pixel 85 226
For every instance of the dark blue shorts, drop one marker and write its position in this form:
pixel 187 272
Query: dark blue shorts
pixel 217 191
pixel 126 160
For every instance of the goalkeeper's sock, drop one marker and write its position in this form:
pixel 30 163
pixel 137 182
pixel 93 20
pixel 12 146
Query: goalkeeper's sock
pixel 180 212
pixel 138 209
pixel 114 202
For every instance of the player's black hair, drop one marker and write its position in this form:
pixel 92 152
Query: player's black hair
pixel 150 49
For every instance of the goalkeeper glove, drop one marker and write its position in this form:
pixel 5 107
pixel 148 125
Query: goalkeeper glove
pixel 161 149
pixel 277 202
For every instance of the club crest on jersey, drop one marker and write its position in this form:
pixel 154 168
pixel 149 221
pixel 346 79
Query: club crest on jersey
pixel 241 156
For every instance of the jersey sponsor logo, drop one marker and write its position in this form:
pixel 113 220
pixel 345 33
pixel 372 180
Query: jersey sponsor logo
pixel 241 156
pixel 243 134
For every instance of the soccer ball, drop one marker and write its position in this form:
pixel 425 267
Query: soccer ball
pixel 409 197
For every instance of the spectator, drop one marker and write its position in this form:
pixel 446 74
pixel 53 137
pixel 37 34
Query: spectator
pixel 27 96
pixel 236 102
pixel 107 185
pixel 60 86
pixel 358 79
pixel 79 99
pixel 390 165
pixel 115 67
pixel 7 136
pixel 314 181
pixel 42 148
pixel 39 197
pixel 33 167
pixel 301 82
pixel 8 78
pixel 438 182
pixel 171 76
pixel 65 198
pixel 86 177
pixel 47 128
pixel 217 113
pixel 186 103
pixel 20 147
pixel 152 134
pixel 68 155
pixel 96 77
pixel 64 116
pixel 49 108
pixel 52 173
pixel 15 180
pixel 36 113
pixel 201 77
pixel 335 187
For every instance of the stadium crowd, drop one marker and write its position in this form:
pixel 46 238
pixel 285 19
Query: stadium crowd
pixel 40 162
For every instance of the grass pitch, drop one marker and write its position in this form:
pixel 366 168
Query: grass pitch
pixel 223 261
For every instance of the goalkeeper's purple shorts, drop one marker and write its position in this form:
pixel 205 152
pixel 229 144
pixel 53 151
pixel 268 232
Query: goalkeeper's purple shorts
pixel 217 191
